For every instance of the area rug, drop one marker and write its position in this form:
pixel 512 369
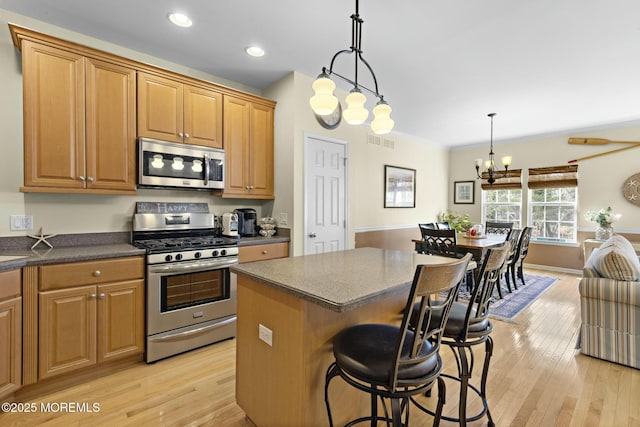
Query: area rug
pixel 513 303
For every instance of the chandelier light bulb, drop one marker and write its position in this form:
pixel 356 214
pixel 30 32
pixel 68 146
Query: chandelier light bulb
pixel 382 122
pixel 506 161
pixel 355 113
pixel 478 163
pixel 324 102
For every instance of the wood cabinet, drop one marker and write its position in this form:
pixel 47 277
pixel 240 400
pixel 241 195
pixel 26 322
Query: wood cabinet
pixel 79 122
pixel 10 332
pixel 263 252
pixel 248 136
pixel 173 111
pixel 89 313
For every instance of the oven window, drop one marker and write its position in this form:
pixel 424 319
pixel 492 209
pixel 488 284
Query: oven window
pixel 190 289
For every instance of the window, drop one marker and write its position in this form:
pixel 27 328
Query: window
pixel 553 203
pixel 503 206
pixel 552 213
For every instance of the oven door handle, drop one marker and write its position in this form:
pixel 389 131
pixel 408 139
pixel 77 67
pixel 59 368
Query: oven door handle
pixel 193 267
pixel 198 331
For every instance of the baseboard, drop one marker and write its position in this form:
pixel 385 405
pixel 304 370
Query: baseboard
pixel 552 268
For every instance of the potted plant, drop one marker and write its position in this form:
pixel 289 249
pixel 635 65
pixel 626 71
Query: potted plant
pixel 460 223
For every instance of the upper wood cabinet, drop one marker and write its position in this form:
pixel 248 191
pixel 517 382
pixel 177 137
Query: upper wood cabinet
pixel 79 122
pixel 248 135
pixel 172 111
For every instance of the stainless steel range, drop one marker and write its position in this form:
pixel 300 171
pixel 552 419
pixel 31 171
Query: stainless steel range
pixel 191 294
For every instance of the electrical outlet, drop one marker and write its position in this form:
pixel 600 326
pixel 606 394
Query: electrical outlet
pixel 265 334
pixel 283 218
pixel 21 223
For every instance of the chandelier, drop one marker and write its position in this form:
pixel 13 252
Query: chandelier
pixel 325 103
pixel 490 165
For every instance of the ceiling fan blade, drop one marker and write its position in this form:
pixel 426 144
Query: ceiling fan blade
pixel 598 141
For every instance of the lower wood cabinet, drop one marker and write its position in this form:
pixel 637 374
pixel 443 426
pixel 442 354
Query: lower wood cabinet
pixel 10 345
pixel 87 325
pixel 263 252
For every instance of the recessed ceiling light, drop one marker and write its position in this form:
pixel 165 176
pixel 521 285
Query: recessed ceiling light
pixel 180 20
pixel 254 51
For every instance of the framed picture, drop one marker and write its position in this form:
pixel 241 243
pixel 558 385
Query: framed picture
pixel 464 192
pixel 399 187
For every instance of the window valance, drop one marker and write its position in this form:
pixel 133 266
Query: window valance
pixel 553 177
pixel 513 180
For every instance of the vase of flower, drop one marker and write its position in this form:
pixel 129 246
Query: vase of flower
pixel 604 232
pixel 604 218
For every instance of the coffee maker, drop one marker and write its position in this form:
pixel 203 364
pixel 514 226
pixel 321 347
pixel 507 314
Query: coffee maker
pixel 247 222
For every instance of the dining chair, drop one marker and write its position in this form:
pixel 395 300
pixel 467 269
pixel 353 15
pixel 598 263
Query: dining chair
pixel 441 242
pixel 493 227
pixel 393 363
pixel 521 253
pixel 468 326
pixel 513 238
pixel 444 225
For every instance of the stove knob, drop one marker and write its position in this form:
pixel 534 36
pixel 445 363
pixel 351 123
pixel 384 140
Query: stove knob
pixel 168 258
pixel 223 252
pixel 214 253
pixel 197 255
pixel 178 257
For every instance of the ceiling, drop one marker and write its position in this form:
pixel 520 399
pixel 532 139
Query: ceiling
pixel 546 67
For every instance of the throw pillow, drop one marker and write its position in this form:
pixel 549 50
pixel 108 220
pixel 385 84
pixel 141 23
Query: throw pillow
pixel 616 259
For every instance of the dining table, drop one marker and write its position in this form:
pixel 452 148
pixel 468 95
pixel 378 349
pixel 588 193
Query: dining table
pixel 476 245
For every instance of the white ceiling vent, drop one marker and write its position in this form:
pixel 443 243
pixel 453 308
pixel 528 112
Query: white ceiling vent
pixel 374 139
pixel 388 143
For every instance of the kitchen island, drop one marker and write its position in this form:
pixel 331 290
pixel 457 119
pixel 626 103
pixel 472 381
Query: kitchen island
pixel 290 309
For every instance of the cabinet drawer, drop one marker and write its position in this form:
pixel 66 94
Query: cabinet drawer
pixel 263 252
pixel 59 276
pixel 10 283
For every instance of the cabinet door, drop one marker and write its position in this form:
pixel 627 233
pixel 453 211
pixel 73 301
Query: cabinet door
pixel 202 117
pixel 120 320
pixel 110 126
pixel 236 146
pixel 67 330
pixel 159 108
pixel 261 152
pixel 10 345
pixel 53 117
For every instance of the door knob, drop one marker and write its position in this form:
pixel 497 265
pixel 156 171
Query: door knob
pixel 313 235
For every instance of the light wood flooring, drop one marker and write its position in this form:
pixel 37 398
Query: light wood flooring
pixel 537 378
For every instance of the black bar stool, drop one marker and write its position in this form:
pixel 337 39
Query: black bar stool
pixel 395 362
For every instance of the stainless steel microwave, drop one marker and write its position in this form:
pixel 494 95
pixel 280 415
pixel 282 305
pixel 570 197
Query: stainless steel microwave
pixel 166 164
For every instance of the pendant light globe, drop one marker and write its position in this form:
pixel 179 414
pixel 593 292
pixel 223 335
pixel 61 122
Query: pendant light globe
pixel 324 102
pixel 355 113
pixel 382 122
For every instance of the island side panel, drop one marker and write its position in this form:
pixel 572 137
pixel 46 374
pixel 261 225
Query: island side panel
pixel 320 326
pixel 269 378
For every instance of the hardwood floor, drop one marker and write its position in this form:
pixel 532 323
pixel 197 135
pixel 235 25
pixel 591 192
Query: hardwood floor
pixel 537 378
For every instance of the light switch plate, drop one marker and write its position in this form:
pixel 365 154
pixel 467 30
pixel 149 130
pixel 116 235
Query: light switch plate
pixel 21 223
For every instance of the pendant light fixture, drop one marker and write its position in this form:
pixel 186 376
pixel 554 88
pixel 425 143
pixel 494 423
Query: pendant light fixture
pixel 324 102
pixel 490 165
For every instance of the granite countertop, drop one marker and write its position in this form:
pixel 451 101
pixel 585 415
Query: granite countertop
pixel 12 259
pixel 342 280
pixel 260 240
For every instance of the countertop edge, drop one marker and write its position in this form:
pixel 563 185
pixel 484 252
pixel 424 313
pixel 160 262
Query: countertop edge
pixel 253 241
pixel 65 255
pixel 330 305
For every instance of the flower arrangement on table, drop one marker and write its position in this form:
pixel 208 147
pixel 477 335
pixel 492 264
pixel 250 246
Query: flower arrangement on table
pixel 604 217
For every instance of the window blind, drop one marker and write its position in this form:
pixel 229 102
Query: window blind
pixel 553 177
pixel 513 180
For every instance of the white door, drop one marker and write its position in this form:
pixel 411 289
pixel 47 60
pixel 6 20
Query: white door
pixel 325 165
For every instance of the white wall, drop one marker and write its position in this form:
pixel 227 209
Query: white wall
pixel 61 213
pixel 599 179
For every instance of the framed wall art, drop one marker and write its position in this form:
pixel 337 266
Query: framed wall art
pixel 399 187
pixel 464 192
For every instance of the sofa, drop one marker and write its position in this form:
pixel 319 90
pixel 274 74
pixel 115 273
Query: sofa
pixel 610 303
